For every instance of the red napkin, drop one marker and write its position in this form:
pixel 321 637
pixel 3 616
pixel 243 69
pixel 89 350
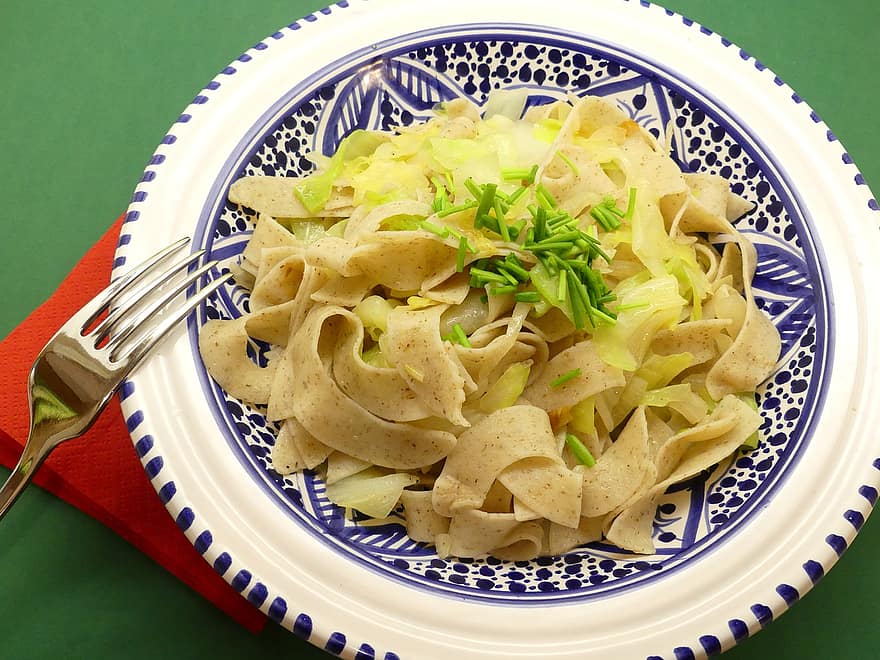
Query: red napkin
pixel 99 472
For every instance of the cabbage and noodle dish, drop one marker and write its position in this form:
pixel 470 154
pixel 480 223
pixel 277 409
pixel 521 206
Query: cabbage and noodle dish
pixel 511 330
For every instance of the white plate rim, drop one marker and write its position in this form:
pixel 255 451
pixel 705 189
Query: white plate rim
pixel 842 517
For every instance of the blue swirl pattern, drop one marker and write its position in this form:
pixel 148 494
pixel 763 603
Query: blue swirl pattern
pixel 402 87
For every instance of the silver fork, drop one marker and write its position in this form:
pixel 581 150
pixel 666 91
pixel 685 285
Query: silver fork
pixel 85 362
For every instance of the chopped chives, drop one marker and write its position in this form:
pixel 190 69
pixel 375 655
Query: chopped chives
pixel 564 378
pixel 460 336
pixel 487 276
pixel 562 221
pixel 441 198
pixel 486 199
pixel 461 237
pixel 516 270
pixel 513 198
pixel 562 288
pixel 552 235
pixel 486 220
pixel 473 188
pixel 442 232
pixel 603 316
pixel 533 172
pixel 600 252
pixel 506 274
pixel 515 174
pixel 565 159
pixel 458 208
pixel 551 246
pixel 549 262
pixel 579 451
pixel 579 299
pixel 544 196
pixel 563 236
pixel 605 218
pixel 503 229
pixel 499 290
pixel 462 250
pixel 577 311
pixel 631 205
pixel 527 296
pixel 540 223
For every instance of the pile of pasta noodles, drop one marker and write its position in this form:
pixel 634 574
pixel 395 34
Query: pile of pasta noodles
pixel 515 332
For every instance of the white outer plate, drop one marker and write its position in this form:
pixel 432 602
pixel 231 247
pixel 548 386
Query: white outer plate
pixel 750 578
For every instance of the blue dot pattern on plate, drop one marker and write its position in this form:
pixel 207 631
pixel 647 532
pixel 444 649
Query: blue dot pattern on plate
pixel 400 86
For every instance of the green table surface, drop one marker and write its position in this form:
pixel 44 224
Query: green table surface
pixel 88 89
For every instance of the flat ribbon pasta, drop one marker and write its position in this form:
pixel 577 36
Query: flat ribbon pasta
pixel 475 533
pixel 620 470
pixel 483 451
pixel 381 390
pixel 632 528
pixel 223 346
pixel 339 421
pixel 276 196
pixel 428 365
pixel 296 449
pixel 521 331
pixel 595 376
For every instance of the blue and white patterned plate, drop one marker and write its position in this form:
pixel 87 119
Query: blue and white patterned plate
pixel 735 546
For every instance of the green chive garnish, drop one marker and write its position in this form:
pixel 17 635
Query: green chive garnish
pixel 533 172
pixel 515 174
pixel 551 246
pixel 606 219
pixel 564 378
pixel 545 197
pixel 503 229
pixel 487 276
pixel 579 451
pixel 563 236
pixel 631 205
pixel 442 232
pixel 458 208
pixel 441 198
pixel 562 288
pixel 515 269
pixel 510 277
pixel 486 199
pixel 462 250
pixel 567 161
pixel 460 336
pixel 473 188
pixel 552 235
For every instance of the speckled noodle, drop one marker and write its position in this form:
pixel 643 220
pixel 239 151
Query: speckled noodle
pixel 290 551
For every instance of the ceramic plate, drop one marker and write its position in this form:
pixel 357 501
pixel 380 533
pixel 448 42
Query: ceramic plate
pixel 736 546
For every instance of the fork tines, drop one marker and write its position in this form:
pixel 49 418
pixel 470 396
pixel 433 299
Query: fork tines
pixel 138 305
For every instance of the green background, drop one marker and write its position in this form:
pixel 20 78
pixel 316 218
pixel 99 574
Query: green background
pixel 88 89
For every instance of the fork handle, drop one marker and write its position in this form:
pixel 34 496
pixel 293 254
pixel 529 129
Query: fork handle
pixel 31 458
